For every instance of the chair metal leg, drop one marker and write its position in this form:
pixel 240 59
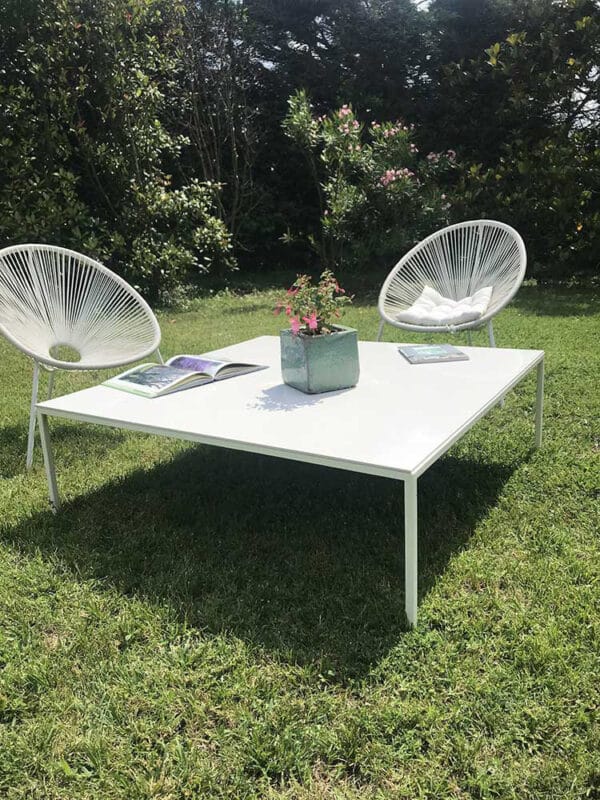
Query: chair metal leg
pixel 49 462
pixel 160 358
pixel 490 328
pixel 34 396
pixel 50 383
pixel 380 331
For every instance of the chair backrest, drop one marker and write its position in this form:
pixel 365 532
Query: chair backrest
pixel 51 297
pixel 457 261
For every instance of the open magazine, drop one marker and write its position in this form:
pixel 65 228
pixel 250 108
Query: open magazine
pixel 179 372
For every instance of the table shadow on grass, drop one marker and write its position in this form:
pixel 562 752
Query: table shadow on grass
pixel 301 561
pixel 68 440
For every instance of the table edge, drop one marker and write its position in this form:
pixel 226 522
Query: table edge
pixel 296 455
pixel 232 444
pixel 446 445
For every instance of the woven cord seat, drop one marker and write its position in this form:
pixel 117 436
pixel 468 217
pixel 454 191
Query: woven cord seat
pixel 456 262
pixel 54 300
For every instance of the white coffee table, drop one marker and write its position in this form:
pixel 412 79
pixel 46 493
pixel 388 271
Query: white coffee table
pixel 396 423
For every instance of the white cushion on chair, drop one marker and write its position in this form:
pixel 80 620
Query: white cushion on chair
pixel 433 309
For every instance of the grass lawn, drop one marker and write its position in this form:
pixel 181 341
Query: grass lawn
pixel 200 623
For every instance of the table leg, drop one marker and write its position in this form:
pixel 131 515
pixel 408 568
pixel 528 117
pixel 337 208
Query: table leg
pixel 48 461
pixel 34 395
pixel 410 549
pixel 539 404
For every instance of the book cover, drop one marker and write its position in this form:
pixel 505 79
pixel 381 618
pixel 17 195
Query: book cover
pixel 432 353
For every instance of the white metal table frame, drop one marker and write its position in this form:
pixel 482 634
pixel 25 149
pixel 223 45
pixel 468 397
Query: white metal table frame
pixel 410 479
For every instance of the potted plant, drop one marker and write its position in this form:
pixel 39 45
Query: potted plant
pixel 317 353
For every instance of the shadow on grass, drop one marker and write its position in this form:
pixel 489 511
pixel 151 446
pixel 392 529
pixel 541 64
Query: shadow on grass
pixel 248 308
pixel 68 441
pixel 556 301
pixel 302 561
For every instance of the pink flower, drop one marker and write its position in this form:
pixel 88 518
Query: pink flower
pixel 295 325
pixel 277 310
pixel 293 290
pixel 344 111
pixel 288 311
pixel 391 175
pixel 312 321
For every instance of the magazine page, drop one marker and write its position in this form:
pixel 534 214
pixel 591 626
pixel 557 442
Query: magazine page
pixel 215 368
pixel 208 366
pixel 152 380
pixel 180 372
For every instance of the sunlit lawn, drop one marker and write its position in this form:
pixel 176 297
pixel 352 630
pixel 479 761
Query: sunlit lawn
pixel 202 623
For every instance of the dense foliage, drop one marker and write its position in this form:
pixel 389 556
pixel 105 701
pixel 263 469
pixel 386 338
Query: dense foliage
pixel 532 138
pixel 85 154
pixel 151 134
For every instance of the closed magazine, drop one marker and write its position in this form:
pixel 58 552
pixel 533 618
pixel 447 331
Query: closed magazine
pixel 432 353
pixel 179 372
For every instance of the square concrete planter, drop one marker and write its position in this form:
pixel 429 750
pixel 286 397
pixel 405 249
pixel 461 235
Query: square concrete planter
pixel 324 363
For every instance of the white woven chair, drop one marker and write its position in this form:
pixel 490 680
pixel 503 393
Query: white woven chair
pixel 457 262
pixel 52 298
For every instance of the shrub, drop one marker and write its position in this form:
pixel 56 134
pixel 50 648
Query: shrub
pixel 174 235
pixel 378 194
pixel 84 154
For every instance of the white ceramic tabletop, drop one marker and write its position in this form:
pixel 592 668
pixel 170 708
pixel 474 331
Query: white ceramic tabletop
pixel 396 422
